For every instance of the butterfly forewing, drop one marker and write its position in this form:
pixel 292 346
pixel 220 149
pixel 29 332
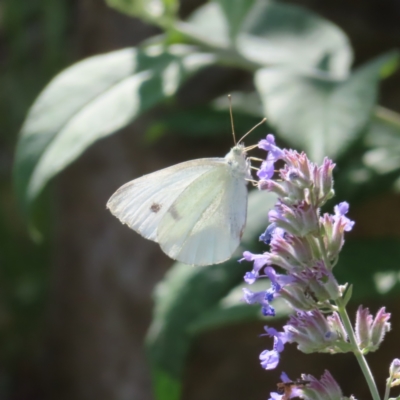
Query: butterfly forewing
pixel 143 202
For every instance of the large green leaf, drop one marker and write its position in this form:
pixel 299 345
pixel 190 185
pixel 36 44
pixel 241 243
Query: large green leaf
pixel 186 294
pixel 277 33
pixel 317 113
pixel 255 33
pixel 91 100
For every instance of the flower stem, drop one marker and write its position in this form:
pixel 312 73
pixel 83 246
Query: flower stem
pixel 358 354
pixel 387 389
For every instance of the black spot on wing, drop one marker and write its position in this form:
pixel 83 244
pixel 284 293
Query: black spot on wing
pixel 155 207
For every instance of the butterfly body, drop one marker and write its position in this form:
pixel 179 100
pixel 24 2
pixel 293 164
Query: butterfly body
pixel 195 210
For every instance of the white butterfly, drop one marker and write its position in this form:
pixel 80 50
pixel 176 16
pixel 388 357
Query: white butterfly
pixel 195 210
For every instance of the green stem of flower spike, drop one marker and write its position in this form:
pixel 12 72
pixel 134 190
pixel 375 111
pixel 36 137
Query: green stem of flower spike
pixel 341 308
pixel 357 352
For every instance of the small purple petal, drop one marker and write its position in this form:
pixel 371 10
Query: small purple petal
pixel 342 208
pixel 284 377
pixel 275 396
pixel 269 145
pixel 269 359
pixel 340 211
pixel 267 169
pixel 266 237
pixel 250 277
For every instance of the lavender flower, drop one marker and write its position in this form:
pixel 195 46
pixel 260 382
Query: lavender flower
pixel 302 244
pixel 305 246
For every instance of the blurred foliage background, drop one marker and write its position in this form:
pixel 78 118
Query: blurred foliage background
pixel 76 287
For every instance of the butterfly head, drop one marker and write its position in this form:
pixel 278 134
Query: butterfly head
pixel 238 161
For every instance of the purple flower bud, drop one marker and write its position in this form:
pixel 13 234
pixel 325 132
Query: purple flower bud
pixel 321 282
pixel 379 328
pixel 298 220
pixel 298 247
pixel 370 332
pixel 273 186
pixel 334 227
pixel 298 296
pixel 314 333
pixel 394 369
pixel 337 328
pixel 324 389
pixel 362 328
pixel 325 181
pixel 300 163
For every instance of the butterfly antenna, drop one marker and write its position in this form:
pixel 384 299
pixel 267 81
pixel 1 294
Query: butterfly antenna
pixel 252 129
pixel 230 112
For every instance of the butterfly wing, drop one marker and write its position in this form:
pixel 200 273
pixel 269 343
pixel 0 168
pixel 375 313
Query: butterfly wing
pixel 143 202
pixel 204 225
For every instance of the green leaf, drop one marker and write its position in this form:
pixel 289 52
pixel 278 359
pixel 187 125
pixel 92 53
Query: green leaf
pixel 248 103
pixel 383 140
pixel 317 113
pixel 187 293
pixel 90 100
pixel 154 11
pixel 373 165
pixel 209 26
pixel 347 295
pixel 278 33
pixel 235 12
pixel 252 33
